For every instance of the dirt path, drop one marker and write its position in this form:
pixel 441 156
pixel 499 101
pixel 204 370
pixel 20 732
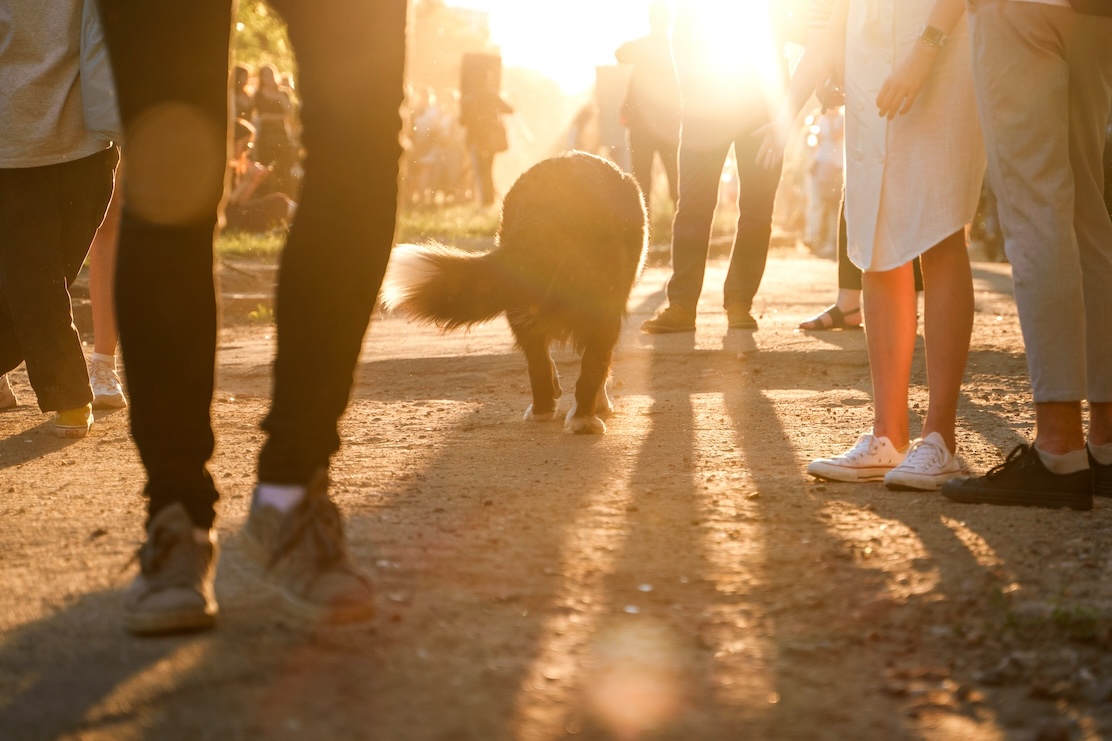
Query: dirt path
pixel 678 578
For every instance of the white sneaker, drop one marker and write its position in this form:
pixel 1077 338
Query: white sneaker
pixel 868 460
pixel 7 396
pixel 108 392
pixel 927 467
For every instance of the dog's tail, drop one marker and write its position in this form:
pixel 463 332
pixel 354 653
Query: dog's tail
pixel 442 285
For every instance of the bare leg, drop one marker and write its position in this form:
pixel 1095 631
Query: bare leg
pixel 1100 422
pixel 890 307
pixel 848 299
pixel 1058 427
pixel 948 324
pixel 102 274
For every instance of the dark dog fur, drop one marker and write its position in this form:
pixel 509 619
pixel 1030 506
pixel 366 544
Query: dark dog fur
pixel 569 249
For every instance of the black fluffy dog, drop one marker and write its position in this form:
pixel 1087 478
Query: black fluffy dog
pixel 569 249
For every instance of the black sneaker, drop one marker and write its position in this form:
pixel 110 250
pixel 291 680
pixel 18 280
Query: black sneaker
pixel 1102 477
pixel 174 589
pixel 1023 480
pixel 304 554
pixel 670 320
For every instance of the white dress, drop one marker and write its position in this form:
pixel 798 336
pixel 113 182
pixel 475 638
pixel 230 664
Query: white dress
pixel 914 180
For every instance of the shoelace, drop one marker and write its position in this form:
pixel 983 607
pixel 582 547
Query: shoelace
pixel 154 558
pixel 870 448
pixel 923 455
pixel 1017 456
pixel 103 375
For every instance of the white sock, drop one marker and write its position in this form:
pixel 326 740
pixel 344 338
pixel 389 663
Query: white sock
pixel 1066 463
pixel 109 360
pixel 282 497
pixel 1102 454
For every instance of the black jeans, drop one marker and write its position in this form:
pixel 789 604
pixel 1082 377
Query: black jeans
pixel 703 151
pixel 351 58
pixel 48 216
pixel 644 143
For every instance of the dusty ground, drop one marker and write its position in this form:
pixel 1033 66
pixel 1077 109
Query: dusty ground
pixel 678 578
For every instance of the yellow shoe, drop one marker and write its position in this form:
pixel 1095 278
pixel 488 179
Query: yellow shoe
pixel 73 422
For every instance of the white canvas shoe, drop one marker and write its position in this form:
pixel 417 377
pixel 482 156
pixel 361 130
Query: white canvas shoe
pixel 869 459
pixel 108 391
pixel 927 467
pixel 7 396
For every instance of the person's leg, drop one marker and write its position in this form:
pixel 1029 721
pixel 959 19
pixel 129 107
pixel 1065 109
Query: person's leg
pixel 889 309
pixel 669 156
pixel 351 62
pixel 890 323
pixel 700 169
pixel 1019 47
pixel 947 327
pixel 845 313
pixel 756 195
pixel 105 380
pixel 1090 91
pixel 641 161
pixel 49 215
pixel 486 178
pixel 340 240
pixel 1028 159
pixel 175 114
pixel 102 273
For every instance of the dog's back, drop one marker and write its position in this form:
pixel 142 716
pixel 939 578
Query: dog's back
pixel 571 243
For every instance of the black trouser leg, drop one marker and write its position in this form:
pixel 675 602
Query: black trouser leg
pixel 700 170
pixel 48 216
pixel 351 60
pixel 756 195
pixel 176 120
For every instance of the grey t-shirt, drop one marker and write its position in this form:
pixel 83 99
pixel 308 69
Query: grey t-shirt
pixel 42 121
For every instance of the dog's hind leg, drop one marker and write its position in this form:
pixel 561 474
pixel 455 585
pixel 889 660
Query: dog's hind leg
pixel 590 389
pixel 543 379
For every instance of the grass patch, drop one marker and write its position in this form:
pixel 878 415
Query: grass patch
pixel 456 225
pixel 449 224
pixel 261 314
pixel 244 245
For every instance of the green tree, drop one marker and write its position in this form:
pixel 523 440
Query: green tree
pixel 260 38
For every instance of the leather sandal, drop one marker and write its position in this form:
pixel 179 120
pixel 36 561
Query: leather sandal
pixel 833 318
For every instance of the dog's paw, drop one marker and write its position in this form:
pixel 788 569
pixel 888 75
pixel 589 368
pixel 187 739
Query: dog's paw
pixel 583 425
pixel 531 416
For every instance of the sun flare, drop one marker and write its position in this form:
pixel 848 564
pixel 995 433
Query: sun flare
pixel 567 41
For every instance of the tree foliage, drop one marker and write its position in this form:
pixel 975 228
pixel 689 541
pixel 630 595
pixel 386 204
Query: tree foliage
pixel 260 37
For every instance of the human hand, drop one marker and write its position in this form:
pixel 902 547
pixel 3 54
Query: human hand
pixel 775 135
pixel 899 91
pixel 832 94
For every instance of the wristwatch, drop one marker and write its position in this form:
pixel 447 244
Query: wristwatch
pixel 933 36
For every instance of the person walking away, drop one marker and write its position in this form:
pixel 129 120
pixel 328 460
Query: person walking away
pixel 55 183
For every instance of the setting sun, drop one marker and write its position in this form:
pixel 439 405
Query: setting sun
pixel 567 41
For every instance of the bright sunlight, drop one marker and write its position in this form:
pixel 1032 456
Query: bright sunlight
pixel 566 41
